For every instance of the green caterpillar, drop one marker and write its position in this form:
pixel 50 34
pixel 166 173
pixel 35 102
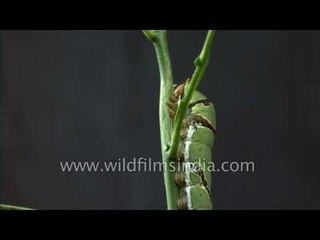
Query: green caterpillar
pixel 194 151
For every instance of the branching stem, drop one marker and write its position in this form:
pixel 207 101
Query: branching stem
pixel 159 40
pixel 169 139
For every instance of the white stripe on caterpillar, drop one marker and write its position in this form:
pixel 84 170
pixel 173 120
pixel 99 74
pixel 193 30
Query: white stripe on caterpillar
pixel 190 132
pixel 188 197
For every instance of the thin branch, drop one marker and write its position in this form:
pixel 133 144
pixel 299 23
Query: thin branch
pixel 201 63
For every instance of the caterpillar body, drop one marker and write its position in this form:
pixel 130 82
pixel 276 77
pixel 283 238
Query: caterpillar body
pixel 194 150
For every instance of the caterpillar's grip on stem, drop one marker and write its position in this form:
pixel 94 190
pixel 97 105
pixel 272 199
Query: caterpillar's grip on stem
pixel 194 150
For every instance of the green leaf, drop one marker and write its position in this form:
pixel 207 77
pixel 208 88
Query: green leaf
pixel 11 207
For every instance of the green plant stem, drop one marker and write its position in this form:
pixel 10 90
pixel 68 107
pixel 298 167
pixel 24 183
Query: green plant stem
pixel 159 40
pixel 11 207
pixel 201 63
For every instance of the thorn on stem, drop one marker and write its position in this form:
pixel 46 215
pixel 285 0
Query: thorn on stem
pixel 198 61
pixel 167 147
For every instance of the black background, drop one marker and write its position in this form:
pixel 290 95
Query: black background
pixel 93 96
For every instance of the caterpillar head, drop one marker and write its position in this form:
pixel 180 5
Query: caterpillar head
pixel 179 90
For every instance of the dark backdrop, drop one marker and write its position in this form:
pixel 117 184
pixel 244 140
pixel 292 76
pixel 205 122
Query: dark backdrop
pixel 93 95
